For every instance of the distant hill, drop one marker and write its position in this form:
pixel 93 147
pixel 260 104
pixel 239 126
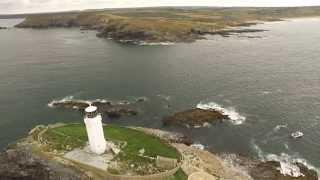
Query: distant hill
pixel 165 24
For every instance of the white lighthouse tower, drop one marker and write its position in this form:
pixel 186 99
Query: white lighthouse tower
pixel 93 121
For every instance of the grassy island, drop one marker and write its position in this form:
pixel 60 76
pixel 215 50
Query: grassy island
pixel 71 136
pixel 154 25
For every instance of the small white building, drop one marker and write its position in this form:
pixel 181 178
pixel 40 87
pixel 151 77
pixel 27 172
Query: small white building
pixel 93 121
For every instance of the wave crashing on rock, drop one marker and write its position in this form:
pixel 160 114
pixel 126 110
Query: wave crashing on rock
pixel 235 117
pixel 112 110
pixel 293 166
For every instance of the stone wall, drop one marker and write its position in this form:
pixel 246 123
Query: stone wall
pixel 159 176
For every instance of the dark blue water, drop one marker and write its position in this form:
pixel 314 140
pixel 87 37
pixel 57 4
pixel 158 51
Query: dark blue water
pixel 273 80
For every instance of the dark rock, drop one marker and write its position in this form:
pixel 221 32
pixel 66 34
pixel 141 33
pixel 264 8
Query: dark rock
pixel 194 117
pixel 183 140
pixel 141 99
pixel 118 111
pixel 105 107
pixel 246 24
pixel 3 27
pixel 270 171
pixel 228 32
pixel 22 164
pixel 80 105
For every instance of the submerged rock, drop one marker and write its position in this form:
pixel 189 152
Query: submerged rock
pixel 195 117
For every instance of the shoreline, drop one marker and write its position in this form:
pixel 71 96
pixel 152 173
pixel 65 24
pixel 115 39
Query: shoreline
pixel 167 25
pixel 194 159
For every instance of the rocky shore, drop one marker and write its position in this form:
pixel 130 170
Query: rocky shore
pixel 165 25
pixel 107 108
pixel 25 160
pixel 229 166
pixel 22 161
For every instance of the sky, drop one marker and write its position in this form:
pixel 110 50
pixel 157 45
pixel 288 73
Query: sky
pixel 32 6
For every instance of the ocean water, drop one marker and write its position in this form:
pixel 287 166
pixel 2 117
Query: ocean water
pixel 268 83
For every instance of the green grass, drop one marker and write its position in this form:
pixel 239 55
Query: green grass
pixel 137 140
pixel 74 135
pixel 180 175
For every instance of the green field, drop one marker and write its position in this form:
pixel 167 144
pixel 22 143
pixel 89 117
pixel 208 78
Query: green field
pixel 73 136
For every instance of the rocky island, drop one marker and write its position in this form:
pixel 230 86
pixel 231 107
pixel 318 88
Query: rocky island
pixel 108 108
pixel 166 25
pixel 195 118
pixel 51 152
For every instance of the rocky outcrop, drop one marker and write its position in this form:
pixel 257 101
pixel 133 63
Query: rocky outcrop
pixel 170 137
pixel 107 108
pixel 229 32
pixel 270 171
pixel 22 163
pixel 195 117
pixel 25 160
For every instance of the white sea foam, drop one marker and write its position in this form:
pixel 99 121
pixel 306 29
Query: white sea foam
pixel 286 146
pixel 165 97
pixel 72 99
pixel 280 126
pixel 234 163
pixel 266 92
pixel 123 102
pixel 198 146
pixel 288 164
pixel 65 99
pixel 234 116
pixel 142 43
pixel 101 100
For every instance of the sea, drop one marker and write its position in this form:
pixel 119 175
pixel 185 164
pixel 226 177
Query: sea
pixel 268 83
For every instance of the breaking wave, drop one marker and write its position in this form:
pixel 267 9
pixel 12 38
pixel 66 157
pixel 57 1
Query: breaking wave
pixel 288 163
pixel 69 99
pixel 142 43
pixel 233 162
pixel 165 97
pixel 280 126
pixel 234 116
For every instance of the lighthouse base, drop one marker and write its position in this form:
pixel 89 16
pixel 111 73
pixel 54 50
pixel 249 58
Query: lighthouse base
pixel 87 157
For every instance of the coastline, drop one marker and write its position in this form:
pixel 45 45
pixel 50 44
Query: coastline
pixel 167 25
pixel 28 152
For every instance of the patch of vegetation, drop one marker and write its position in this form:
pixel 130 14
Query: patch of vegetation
pixel 137 140
pixel 74 135
pixel 66 137
pixel 180 175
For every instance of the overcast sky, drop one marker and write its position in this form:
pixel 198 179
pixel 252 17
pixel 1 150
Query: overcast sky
pixel 27 6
